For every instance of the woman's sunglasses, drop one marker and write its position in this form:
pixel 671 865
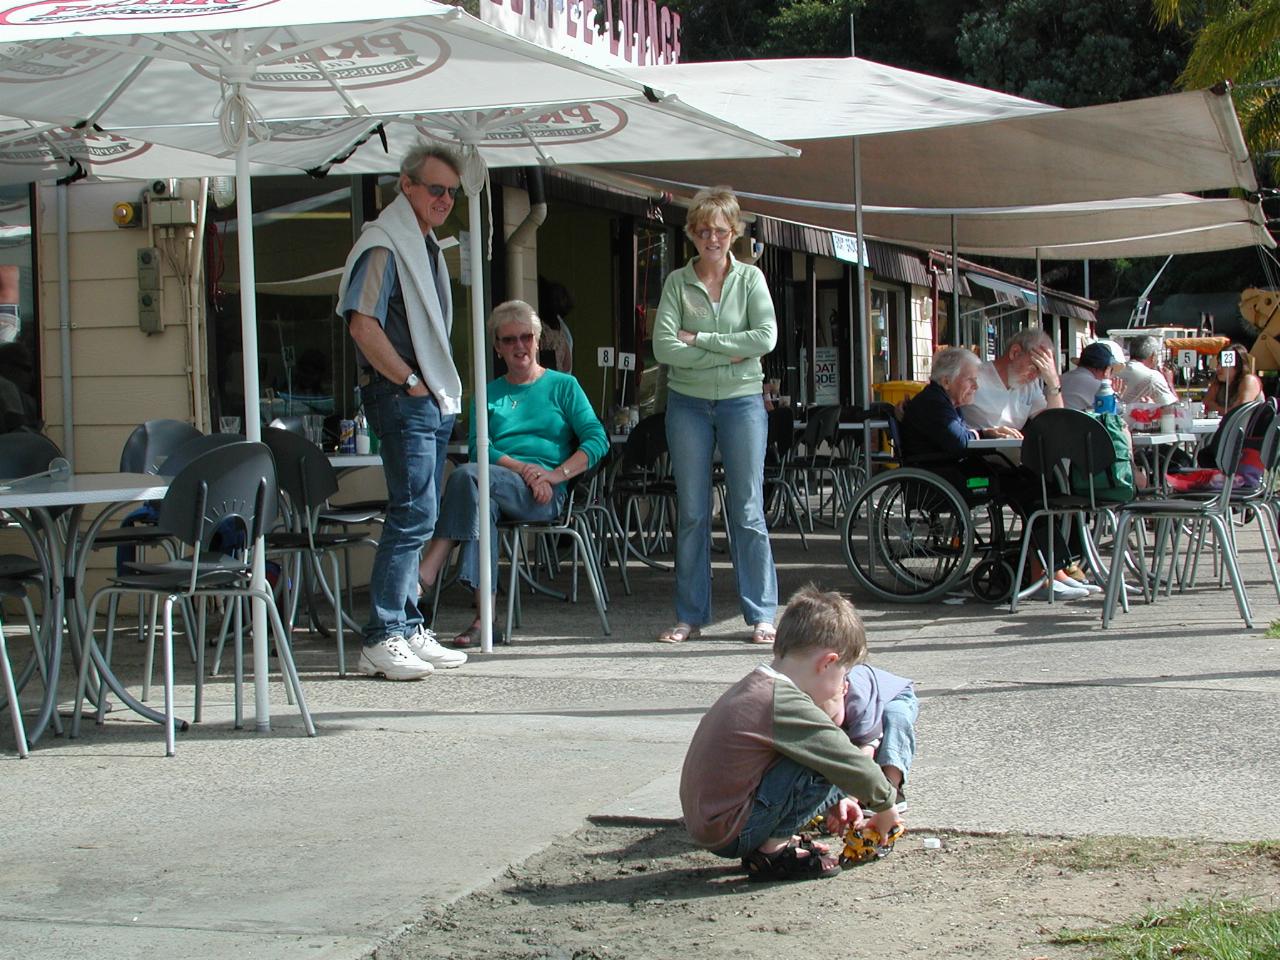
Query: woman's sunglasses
pixel 521 338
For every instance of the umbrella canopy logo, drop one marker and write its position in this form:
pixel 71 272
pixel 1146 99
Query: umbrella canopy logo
pixel 84 11
pixel 569 123
pixel 54 146
pixel 373 60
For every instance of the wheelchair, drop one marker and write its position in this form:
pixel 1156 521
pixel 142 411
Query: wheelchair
pixel 912 534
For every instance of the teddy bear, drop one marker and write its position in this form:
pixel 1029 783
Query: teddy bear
pixel 1261 308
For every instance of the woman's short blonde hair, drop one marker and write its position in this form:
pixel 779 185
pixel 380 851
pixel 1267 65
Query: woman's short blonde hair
pixel 710 203
pixel 514 311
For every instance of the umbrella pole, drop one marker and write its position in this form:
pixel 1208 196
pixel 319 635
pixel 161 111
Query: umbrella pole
pixel 862 370
pixel 252 422
pixel 479 347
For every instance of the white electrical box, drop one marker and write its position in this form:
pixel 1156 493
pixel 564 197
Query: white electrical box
pixel 172 213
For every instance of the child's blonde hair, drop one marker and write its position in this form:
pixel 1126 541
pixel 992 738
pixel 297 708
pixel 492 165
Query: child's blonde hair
pixel 816 619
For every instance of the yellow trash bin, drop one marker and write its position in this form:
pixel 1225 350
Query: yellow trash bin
pixel 895 392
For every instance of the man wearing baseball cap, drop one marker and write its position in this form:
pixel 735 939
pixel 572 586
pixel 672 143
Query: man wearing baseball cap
pixel 1080 385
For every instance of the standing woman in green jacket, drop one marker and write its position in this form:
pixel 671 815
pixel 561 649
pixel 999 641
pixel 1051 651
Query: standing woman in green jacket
pixel 714 323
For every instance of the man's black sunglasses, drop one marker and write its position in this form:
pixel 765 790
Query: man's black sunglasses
pixel 438 189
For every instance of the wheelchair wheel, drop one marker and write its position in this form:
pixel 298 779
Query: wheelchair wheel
pixel 992 581
pixel 907 536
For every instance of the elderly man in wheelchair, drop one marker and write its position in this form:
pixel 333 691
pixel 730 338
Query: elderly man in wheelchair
pixel 911 533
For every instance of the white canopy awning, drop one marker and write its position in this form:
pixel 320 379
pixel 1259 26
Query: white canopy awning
pixel 928 142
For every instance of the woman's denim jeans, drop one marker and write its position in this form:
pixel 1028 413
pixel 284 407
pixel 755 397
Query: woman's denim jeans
pixel 509 498
pixel 739 428
pixel 789 796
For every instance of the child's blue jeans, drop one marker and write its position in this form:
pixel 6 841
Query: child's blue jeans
pixel 789 796
pixel 898 742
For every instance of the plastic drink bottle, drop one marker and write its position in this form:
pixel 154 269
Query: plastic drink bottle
pixel 1104 401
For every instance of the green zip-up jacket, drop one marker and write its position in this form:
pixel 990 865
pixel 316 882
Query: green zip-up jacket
pixel 745 327
pixel 760 718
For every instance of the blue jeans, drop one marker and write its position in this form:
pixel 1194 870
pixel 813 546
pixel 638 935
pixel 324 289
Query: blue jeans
pixel 411 431
pixel 898 741
pixel 789 796
pixel 509 498
pixel 739 427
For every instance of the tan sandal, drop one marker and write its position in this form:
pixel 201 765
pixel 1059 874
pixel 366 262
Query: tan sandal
pixel 679 634
pixel 764 634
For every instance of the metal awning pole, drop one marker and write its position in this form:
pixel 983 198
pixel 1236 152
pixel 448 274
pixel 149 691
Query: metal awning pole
pixel 861 372
pixel 957 336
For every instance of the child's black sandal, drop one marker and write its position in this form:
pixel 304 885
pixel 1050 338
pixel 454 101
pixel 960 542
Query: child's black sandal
pixel 786 864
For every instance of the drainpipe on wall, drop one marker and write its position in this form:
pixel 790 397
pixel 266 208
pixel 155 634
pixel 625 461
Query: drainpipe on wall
pixel 525 233
pixel 195 308
pixel 64 325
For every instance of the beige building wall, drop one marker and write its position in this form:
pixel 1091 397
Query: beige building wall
pixel 120 375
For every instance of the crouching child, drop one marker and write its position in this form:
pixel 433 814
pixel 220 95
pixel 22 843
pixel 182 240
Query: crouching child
pixel 766 759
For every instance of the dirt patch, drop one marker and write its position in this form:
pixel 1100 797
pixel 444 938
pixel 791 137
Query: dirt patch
pixel 632 892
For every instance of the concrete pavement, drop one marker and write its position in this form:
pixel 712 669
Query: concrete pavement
pixel 266 846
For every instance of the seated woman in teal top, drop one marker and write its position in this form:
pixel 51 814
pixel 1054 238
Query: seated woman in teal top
pixel 542 433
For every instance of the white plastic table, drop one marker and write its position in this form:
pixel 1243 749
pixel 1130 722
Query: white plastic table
pixel 66 552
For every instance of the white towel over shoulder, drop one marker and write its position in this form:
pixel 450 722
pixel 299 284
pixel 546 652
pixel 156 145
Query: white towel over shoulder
pixel 430 312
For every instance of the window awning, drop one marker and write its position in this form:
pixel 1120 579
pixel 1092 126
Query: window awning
pixel 1006 292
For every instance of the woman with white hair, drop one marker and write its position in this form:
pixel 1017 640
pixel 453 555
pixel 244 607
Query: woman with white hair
pixel 542 434
pixel 931 422
pixel 933 429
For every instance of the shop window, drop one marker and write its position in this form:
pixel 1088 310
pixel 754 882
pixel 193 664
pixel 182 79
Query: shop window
pixel 19 326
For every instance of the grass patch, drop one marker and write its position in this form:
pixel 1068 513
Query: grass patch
pixel 1101 853
pixel 1257 850
pixel 1273 631
pixel 1214 930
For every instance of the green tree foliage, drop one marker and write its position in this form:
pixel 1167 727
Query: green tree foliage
pixel 1070 53
pixel 1237 41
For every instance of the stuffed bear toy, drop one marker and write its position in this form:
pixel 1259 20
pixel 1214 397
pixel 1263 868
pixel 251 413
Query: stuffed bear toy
pixel 1261 308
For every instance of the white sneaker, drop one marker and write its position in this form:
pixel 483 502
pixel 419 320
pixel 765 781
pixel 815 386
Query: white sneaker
pixel 427 648
pixel 393 659
pixel 1090 588
pixel 1060 592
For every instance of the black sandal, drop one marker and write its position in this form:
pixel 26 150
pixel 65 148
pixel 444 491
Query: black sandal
pixel 786 864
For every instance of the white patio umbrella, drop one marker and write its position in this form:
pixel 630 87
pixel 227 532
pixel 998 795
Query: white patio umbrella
pixel 34 152
pixel 242 65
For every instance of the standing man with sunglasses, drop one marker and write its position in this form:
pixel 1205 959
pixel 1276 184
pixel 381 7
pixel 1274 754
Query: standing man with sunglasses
pixel 395 297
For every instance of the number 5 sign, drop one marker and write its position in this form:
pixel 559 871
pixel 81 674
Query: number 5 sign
pixel 604 356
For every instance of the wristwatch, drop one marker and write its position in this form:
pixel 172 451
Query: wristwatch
pixel 412 380
pixel 565 471
pixel 1053 391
